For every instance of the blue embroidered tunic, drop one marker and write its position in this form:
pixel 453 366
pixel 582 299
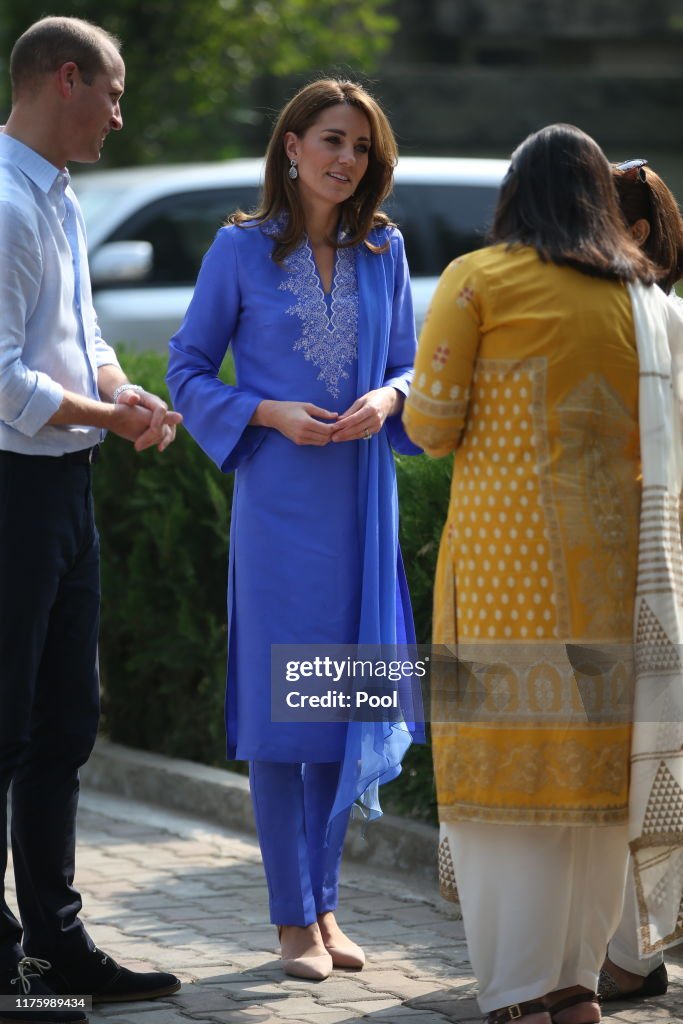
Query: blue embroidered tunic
pixel 314 552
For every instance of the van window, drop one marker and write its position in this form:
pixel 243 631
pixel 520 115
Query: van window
pixel 181 228
pixel 440 222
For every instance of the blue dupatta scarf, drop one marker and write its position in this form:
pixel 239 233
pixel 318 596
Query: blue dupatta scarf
pixel 375 749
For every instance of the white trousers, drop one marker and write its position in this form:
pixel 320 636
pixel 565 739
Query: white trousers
pixel 539 904
pixel 623 947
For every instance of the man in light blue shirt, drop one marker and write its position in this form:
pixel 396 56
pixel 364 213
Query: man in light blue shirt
pixel 61 387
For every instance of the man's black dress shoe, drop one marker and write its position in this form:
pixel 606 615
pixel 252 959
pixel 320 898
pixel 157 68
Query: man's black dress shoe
pixel 25 981
pixel 654 984
pixel 96 974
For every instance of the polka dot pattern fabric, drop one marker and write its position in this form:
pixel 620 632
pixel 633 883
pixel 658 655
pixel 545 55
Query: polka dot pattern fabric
pixel 498 537
pixel 528 372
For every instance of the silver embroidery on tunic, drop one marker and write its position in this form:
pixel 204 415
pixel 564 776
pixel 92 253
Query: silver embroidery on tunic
pixel 329 340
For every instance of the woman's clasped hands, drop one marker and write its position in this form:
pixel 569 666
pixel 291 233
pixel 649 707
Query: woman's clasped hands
pixel 366 416
pixel 305 423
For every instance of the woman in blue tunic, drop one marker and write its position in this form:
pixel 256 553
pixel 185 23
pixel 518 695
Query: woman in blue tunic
pixel 312 293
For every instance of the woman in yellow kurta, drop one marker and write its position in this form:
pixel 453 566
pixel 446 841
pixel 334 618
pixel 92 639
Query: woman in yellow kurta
pixel 528 369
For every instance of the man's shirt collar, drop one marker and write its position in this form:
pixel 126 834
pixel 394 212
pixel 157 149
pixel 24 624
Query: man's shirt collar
pixel 42 173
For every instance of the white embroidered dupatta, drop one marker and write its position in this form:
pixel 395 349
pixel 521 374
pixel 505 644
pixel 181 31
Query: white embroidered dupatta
pixel 656 791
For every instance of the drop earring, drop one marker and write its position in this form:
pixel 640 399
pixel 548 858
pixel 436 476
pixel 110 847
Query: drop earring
pixel 293 172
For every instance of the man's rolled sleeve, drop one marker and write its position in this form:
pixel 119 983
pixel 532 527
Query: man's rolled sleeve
pixel 104 353
pixel 28 397
pixel 43 402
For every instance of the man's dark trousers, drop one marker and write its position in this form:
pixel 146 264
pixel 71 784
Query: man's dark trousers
pixel 49 691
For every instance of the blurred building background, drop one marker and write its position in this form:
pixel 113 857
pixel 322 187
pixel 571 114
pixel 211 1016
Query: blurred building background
pixel 470 77
pixel 474 77
pixel 481 74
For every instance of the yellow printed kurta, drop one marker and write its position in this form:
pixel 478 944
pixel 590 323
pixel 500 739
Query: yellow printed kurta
pixel 529 372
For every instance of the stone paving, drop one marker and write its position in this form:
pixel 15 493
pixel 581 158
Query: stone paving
pixel 165 891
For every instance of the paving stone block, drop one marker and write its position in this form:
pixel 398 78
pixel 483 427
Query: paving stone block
pixel 182 896
pixel 338 990
pixel 399 984
pixel 334 1016
pixel 248 1015
pixel 138 1013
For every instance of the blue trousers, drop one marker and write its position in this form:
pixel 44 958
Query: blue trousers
pixel 292 804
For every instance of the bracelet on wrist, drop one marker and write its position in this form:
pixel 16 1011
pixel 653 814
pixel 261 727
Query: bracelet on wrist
pixel 125 387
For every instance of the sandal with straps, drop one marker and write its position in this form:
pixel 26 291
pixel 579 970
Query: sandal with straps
pixel 564 1004
pixel 514 1012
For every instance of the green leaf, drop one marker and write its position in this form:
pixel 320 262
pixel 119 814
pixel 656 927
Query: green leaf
pixel 190 65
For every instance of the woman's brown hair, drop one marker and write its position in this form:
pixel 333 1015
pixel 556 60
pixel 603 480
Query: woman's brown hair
pixel 558 197
pixel 644 196
pixel 279 198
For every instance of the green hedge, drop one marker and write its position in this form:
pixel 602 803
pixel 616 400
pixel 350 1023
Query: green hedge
pixel 164 522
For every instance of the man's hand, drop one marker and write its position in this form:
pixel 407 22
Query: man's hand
pixel 162 425
pixel 144 421
pixel 128 421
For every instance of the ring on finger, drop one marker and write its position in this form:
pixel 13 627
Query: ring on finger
pixel 366 434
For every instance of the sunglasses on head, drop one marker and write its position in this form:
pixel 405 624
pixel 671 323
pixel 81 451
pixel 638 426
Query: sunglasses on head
pixel 634 166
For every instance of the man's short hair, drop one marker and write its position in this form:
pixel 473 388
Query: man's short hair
pixel 51 42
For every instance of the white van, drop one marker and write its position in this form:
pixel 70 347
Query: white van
pixel 148 229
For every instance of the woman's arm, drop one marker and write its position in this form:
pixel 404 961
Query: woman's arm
pixel 436 407
pixel 218 415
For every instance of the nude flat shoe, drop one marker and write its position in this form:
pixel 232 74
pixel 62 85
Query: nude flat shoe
pixel 313 968
pixel 346 954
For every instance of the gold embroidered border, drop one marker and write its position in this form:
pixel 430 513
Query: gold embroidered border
pixel 532 816
pixel 659 554
pixel 676 934
pixel 575 770
pixel 658 840
pixel 657 755
pixel 560 576
pixel 440 408
pixel 509 682
pixel 596 474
